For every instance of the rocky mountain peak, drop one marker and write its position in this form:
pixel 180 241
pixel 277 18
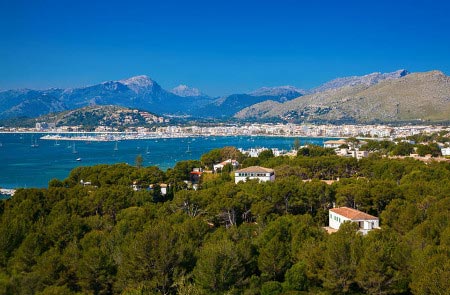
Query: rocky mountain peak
pixel 186 91
pixel 367 80
pixel 138 83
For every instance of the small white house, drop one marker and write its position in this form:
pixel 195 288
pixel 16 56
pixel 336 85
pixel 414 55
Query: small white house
pixel 254 172
pixel 365 221
pixel 220 166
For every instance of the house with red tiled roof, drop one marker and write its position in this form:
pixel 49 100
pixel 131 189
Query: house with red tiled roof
pixel 254 172
pixel 365 221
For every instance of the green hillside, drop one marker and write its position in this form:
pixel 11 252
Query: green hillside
pixel 92 233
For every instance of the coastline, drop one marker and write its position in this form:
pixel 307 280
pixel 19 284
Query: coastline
pixel 114 136
pixel 32 165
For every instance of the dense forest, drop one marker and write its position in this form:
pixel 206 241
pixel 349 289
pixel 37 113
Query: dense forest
pixel 92 233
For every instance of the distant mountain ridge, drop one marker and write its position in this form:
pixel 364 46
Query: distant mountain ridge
pixel 186 91
pixel 392 97
pixel 227 106
pixel 368 80
pixel 286 91
pixel 136 92
pixel 367 98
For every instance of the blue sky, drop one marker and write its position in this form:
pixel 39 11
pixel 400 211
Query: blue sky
pixel 220 47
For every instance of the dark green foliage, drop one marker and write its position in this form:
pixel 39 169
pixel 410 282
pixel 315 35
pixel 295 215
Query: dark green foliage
pixel 249 238
pixel 271 288
pixel 266 154
pixel 315 151
pixel 403 149
pixel 429 149
pixel 219 155
pixel 219 267
pixel 383 146
pixel 296 278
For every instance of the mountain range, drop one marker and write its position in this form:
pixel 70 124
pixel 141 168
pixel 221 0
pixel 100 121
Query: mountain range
pixel 136 92
pixel 384 97
pixel 394 97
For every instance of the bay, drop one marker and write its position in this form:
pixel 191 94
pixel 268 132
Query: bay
pixel 22 165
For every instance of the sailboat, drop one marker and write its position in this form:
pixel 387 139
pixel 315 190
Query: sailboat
pixel 116 148
pixel 188 150
pixel 34 143
pixel 147 151
pixel 74 150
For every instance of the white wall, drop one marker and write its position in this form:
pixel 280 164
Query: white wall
pixel 335 221
pixel 265 178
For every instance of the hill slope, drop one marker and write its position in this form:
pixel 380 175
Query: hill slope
pixel 111 116
pixel 418 96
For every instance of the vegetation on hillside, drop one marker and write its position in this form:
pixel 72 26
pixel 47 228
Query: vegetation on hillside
pixel 227 238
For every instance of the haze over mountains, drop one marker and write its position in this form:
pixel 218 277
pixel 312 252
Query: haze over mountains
pixel 376 97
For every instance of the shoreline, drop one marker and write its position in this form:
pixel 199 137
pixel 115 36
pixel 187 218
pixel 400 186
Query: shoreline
pixel 117 136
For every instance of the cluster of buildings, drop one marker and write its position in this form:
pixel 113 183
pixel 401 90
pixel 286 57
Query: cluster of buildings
pixel 342 148
pixel 302 130
pixel 288 130
pixel 254 152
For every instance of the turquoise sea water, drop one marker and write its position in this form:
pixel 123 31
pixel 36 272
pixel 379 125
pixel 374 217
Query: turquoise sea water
pixel 22 165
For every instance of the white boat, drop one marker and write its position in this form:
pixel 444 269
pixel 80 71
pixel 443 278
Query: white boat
pixel 78 159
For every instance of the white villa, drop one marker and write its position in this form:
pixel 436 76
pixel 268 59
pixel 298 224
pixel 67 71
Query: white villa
pixel 365 221
pixel 254 172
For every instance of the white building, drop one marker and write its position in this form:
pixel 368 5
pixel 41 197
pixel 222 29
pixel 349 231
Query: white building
pixel 220 166
pixel 365 221
pixel 254 172
pixel 360 154
pixel 445 151
pixel 334 143
pixel 355 153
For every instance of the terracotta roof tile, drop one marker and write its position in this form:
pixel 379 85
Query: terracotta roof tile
pixel 255 169
pixel 352 214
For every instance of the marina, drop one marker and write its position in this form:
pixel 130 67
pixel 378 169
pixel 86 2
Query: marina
pixel 24 166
